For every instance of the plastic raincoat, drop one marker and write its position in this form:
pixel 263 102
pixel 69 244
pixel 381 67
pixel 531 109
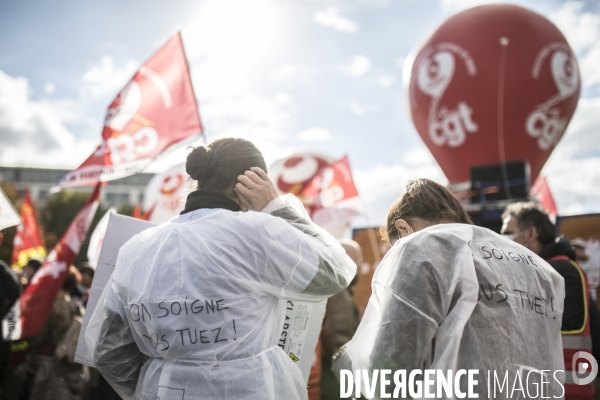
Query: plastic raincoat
pixel 457 296
pixel 195 305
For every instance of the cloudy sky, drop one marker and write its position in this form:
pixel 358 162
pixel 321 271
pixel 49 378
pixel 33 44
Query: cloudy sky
pixel 321 76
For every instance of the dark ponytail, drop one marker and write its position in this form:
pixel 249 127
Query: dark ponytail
pixel 425 201
pixel 217 166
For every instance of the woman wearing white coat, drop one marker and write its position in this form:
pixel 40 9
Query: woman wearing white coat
pixel 451 296
pixel 195 305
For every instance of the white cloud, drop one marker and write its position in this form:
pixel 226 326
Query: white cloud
pixel 573 170
pixel 106 78
pixel 386 80
pixel 356 108
pixel 381 185
pixel 314 134
pixel 230 46
pixel 229 43
pixel 400 62
pixel 288 72
pixel 575 185
pixel 581 138
pixel 418 158
pixel 358 66
pixel 265 120
pixel 330 17
pixel 49 88
pixel 580 27
pixel 32 132
pixel 582 30
pixel 453 5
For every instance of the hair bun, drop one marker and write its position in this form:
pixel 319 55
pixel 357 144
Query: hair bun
pixel 201 163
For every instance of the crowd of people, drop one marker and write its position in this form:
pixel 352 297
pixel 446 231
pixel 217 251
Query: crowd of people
pixel 447 296
pixel 43 366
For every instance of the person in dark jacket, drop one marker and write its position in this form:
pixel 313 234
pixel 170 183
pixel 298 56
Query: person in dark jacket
pixel 10 290
pixel 339 325
pixel 531 227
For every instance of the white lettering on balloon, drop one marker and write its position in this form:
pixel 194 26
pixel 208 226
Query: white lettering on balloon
pixel 434 74
pixel 545 122
pixel 547 126
pixel 450 126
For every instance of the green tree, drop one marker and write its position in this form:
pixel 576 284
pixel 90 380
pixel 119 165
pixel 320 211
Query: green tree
pixel 61 208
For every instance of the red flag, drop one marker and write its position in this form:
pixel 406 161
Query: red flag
pixel 156 111
pixel 331 197
pixel 148 214
pixel 292 174
pixel 28 241
pixel 333 185
pixel 26 318
pixel 165 194
pixel 137 211
pixel 324 186
pixel 541 194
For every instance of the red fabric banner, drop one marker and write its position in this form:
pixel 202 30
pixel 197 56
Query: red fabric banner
pixel 325 187
pixel 28 242
pixel 332 186
pixel 334 198
pixel 155 111
pixel 541 194
pixel 28 315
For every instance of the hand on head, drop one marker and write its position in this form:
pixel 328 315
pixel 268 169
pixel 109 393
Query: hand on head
pixel 254 190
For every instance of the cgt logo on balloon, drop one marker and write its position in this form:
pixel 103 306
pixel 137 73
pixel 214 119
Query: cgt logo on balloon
pixel 435 72
pixel 545 123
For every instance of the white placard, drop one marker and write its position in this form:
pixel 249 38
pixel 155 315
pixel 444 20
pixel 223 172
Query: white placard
pixel 300 332
pixel 120 229
pixel 8 214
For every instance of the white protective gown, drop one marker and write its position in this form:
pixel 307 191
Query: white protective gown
pixel 195 305
pixel 457 296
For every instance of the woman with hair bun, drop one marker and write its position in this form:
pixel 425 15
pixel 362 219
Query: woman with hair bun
pixel 195 306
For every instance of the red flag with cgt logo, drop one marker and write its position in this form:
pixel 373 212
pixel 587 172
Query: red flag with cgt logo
pixel 334 197
pixel 154 112
pixel 165 195
pixel 27 316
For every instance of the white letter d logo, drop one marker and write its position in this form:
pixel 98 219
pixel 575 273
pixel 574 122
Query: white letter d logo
pixel 586 366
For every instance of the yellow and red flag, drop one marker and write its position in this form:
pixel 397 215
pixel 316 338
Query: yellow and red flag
pixel 28 242
pixel 28 315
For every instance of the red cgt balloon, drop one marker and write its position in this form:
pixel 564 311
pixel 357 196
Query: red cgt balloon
pixel 493 84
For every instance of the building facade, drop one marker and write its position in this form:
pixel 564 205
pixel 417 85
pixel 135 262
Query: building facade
pixel 128 190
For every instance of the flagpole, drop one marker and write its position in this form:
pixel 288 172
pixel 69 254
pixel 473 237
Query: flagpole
pixel 187 64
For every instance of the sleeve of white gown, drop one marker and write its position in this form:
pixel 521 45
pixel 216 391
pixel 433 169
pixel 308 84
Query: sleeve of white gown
pixel 111 343
pixel 432 277
pixel 304 262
